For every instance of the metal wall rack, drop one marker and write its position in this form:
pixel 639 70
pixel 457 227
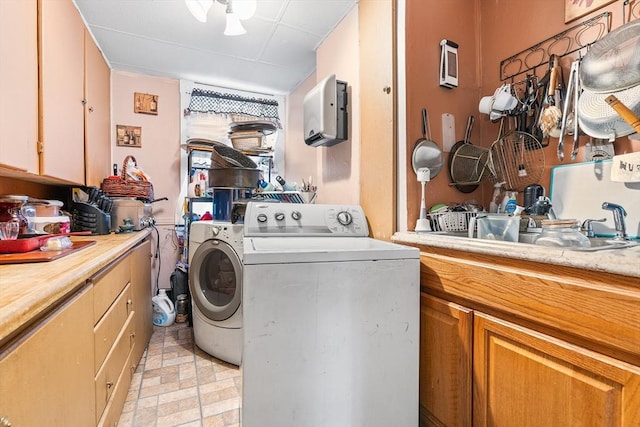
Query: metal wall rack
pixel 576 38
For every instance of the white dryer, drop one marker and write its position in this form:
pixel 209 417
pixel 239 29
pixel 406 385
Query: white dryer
pixel 215 282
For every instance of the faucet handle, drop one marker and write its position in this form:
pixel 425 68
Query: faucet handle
pixel 587 228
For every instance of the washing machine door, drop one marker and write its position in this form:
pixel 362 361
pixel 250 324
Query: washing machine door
pixel 215 279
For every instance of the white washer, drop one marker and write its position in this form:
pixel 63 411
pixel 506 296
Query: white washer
pixel 215 282
pixel 330 319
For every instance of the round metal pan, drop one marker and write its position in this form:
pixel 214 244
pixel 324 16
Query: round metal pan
pixel 426 153
pixel 613 62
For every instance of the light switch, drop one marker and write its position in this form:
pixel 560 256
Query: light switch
pixel 448 131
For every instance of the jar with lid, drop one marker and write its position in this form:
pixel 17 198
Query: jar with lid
pixel 562 233
pixel 11 210
pixel 182 308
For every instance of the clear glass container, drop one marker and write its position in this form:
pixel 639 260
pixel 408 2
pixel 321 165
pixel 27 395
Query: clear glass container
pixel 562 233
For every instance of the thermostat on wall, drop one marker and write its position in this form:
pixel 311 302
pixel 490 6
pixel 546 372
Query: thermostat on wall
pixel 448 64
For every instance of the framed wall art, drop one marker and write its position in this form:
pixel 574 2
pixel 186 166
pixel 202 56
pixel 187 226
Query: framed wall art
pixel 145 103
pixel 574 9
pixel 128 136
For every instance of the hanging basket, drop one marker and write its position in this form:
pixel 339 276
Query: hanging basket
pixel 125 186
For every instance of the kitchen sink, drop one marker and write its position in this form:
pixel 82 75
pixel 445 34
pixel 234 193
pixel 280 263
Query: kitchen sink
pixel 602 243
pixel 597 243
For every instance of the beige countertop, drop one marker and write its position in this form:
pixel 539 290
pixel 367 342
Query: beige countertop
pixel 617 261
pixel 27 291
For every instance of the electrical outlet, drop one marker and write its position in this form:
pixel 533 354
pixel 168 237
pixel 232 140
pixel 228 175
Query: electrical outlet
pixel 448 131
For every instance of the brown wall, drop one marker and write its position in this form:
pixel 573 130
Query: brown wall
pixel 487 32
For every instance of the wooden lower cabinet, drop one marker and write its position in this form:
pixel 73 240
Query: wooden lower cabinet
pixel 74 367
pixel 46 375
pixel 525 378
pixel 445 362
pixel 516 376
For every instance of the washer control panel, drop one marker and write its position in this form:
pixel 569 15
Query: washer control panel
pixel 289 219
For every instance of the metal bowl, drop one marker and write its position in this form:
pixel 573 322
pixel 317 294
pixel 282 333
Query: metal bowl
pixel 234 177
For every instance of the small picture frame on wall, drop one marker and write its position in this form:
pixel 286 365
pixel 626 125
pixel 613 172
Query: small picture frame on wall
pixel 145 103
pixel 574 9
pixel 128 136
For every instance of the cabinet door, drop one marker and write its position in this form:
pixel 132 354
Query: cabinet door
pixel 445 363
pixel 19 85
pixel 47 376
pixel 525 378
pixel 97 114
pixel 378 144
pixel 61 91
pixel 141 288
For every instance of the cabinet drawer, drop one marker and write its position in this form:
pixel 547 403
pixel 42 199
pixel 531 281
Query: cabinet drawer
pixel 108 328
pixel 108 284
pixel 113 410
pixel 107 377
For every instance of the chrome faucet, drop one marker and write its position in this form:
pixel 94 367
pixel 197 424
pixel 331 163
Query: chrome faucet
pixel 618 219
pixel 587 227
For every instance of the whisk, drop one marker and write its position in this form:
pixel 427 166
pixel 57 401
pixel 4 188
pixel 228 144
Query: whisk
pixel 424 176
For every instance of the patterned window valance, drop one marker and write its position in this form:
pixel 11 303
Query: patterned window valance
pixel 207 101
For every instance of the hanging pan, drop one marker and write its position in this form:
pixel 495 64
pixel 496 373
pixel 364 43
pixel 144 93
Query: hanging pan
pixel 467 162
pixel 426 153
pixel 613 62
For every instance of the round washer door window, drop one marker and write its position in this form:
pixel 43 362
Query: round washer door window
pixel 215 279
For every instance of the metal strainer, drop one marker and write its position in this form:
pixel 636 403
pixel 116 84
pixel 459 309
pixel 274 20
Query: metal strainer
pixel 469 165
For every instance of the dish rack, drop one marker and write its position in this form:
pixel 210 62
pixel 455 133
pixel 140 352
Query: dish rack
pixel 289 196
pixel 451 221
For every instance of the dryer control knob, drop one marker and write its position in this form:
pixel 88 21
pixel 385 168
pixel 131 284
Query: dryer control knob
pixel 279 216
pixel 262 217
pixel 215 230
pixel 296 215
pixel 344 218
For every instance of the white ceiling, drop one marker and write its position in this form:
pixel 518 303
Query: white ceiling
pixel 161 38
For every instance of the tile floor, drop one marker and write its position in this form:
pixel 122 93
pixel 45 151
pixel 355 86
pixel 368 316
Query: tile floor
pixel 177 384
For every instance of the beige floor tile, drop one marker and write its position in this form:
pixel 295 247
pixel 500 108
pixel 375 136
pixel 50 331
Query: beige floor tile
pixel 178 384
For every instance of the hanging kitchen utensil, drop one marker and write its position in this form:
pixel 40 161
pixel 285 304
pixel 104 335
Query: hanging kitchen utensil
pixel 613 62
pixel 629 116
pixel 560 101
pixel 599 120
pixel 577 91
pixel 550 112
pixel 467 162
pixel 517 159
pixel 569 99
pixel 426 153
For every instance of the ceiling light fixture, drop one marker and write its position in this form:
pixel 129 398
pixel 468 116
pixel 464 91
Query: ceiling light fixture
pixel 234 26
pixel 199 8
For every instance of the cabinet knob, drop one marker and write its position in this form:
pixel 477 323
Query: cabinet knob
pixel 387 89
pixel 4 422
pixel 91 109
pixel 84 102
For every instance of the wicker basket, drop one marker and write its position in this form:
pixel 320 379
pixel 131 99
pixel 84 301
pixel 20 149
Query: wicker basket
pixel 451 221
pixel 125 186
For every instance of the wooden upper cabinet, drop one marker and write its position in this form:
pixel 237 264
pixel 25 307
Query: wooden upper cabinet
pixel 19 85
pixel 525 378
pixel 61 91
pixel 97 114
